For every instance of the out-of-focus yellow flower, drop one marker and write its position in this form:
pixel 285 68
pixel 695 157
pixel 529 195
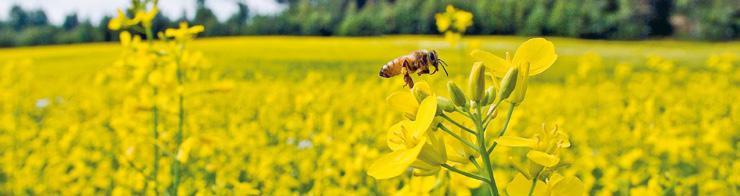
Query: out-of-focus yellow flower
pixel 461 185
pixel 146 17
pixel 723 62
pixel 117 22
pixel 413 145
pixel 660 64
pixel 184 32
pixel 453 23
pixel 556 185
pixel 418 185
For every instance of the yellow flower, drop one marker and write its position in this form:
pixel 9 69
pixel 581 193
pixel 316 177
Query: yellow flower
pixel 453 23
pixel 556 185
pixel 117 22
pixel 184 32
pixel 407 102
pixel 413 145
pixel 443 22
pixel 147 17
pixel 463 20
pixel 418 185
pixel 533 57
pixel 460 185
pixel 544 147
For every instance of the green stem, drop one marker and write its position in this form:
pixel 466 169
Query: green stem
pixel 457 124
pixel 475 162
pixel 464 173
pixel 503 129
pixel 456 136
pixel 534 183
pixel 486 160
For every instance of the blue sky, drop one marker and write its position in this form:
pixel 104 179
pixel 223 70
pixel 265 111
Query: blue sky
pixel 96 9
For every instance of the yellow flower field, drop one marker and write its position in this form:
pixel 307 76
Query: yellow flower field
pixel 308 115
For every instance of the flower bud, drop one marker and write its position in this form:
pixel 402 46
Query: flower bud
pixel 489 96
pixel 444 104
pixel 458 97
pixel 508 83
pixel 477 82
pixel 521 85
pixel 421 90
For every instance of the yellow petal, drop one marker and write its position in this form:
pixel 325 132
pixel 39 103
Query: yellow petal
pixel 404 102
pixel 425 116
pixel 443 22
pixel 542 158
pixel 538 52
pixel 125 38
pixel 497 65
pixel 421 90
pixel 568 186
pixel 196 29
pixel 450 9
pixel 434 151
pixel 520 185
pixel 152 13
pixel 394 163
pixel 396 133
pixel 521 84
pixel 513 141
pixel 423 183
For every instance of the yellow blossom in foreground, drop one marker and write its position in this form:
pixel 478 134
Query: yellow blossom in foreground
pixel 413 145
pixel 533 57
pixel 544 147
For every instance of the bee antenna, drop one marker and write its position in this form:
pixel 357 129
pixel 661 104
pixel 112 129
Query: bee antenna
pixel 444 64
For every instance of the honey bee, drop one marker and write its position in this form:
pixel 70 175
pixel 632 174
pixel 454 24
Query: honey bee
pixel 418 61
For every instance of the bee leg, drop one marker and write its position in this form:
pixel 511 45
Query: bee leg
pixel 408 80
pixel 423 71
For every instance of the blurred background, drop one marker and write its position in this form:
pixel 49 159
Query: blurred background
pixel 41 22
pixel 647 90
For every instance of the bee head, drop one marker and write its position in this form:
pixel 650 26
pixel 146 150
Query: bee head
pixel 433 56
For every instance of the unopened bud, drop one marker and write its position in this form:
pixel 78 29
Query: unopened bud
pixel 489 96
pixel 477 82
pixel 458 97
pixel 521 85
pixel 444 104
pixel 421 90
pixel 508 83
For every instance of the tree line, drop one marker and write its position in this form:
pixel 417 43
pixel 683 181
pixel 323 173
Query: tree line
pixel 593 19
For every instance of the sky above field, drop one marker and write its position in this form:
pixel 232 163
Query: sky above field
pixel 96 9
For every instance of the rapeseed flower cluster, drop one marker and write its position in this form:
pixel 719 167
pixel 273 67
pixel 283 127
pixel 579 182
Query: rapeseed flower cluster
pixel 453 23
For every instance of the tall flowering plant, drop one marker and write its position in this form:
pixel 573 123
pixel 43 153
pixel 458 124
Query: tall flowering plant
pixel 449 133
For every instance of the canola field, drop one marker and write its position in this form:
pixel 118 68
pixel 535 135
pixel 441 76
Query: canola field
pixel 308 116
